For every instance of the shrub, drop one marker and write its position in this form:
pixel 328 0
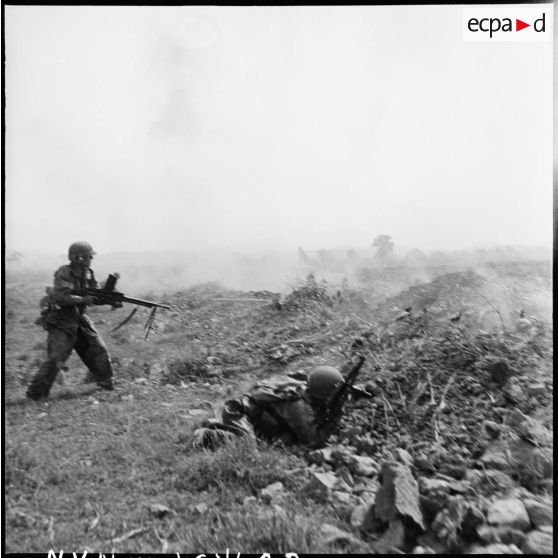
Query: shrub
pixel 309 290
pixel 182 369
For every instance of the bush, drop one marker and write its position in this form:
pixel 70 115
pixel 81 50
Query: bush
pixel 184 370
pixel 308 291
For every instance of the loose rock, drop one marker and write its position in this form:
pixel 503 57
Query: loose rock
pixel 320 486
pixel 488 534
pixel 272 492
pixel 540 513
pixel 392 540
pixel 538 542
pixel 404 457
pixel 509 512
pixel 533 431
pixel 201 508
pixel 531 462
pixel 496 457
pixel 141 381
pixel 493 429
pixel 320 456
pixel 358 516
pixel 536 390
pixel 363 466
pixel 496 549
pixel 398 495
pixel 489 481
pixel 513 393
pixel 448 523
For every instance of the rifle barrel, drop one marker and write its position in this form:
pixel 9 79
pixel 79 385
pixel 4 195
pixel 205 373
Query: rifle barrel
pixel 140 302
pixel 117 296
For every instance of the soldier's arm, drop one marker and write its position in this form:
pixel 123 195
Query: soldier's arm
pixel 301 419
pixel 63 286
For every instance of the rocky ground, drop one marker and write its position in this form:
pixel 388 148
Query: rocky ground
pixel 453 450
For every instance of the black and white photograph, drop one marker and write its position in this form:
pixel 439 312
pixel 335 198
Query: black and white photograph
pixel 277 279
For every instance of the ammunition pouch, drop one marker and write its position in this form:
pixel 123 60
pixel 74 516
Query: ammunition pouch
pixel 44 320
pixel 49 310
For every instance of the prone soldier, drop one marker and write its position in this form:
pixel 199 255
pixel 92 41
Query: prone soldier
pixel 287 410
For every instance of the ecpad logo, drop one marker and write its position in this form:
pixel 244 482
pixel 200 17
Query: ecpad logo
pixel 494 24
pixel 507 24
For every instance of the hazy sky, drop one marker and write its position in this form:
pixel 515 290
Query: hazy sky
pixel 147 128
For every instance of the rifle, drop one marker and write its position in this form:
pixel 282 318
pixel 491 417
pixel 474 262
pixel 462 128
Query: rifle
pixel 108 295
pixel 335 407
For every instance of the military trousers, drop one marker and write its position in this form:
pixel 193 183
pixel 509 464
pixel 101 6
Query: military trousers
pixel 88 345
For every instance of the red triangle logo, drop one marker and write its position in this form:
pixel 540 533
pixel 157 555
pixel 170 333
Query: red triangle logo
pixel 519 25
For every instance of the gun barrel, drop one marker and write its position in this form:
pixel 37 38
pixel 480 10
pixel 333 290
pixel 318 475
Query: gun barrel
pixel 140 302
pixel 116 296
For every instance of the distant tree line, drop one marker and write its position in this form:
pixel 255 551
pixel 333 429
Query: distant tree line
pixel 384 253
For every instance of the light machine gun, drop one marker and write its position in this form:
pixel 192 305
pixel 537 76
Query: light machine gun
pixel 108 295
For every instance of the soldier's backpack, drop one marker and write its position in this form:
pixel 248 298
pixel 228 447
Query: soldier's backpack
pixel 276 389
pixel 264 398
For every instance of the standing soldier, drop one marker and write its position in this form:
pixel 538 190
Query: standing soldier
pixel 69 327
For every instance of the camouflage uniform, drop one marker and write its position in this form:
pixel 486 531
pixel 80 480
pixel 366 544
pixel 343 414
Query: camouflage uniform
pixel 69 327
pixel 291 418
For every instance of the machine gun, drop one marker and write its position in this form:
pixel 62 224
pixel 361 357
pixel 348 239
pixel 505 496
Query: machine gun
pixel 108 295
pixel 335 407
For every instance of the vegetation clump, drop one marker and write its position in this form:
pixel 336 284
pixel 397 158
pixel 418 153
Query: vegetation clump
pixel 308 291
pixel 185 369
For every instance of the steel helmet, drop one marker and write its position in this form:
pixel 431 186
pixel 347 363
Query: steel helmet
pixel 324 381
pixel 80 248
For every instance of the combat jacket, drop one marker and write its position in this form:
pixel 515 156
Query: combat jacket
pixel 293 421
pixel 68 311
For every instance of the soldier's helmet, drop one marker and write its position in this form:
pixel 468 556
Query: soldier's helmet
pixel 324 381
pixel 80 249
